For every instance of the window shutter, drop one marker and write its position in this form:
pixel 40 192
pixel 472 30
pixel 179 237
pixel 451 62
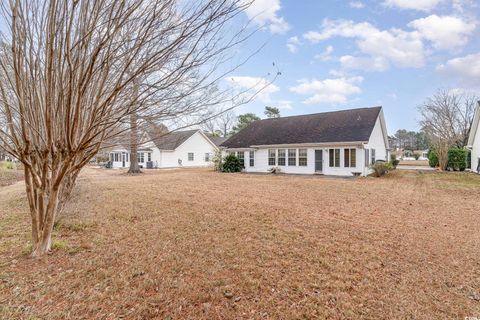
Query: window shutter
pixel 367 157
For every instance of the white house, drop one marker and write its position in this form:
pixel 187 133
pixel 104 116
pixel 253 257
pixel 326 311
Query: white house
pixel 190 148
pixel 342 143
pixel 474 141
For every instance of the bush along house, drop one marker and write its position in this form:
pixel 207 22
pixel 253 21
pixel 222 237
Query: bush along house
pixel 342 143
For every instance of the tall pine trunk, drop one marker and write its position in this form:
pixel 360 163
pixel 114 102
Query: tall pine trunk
pixel 134 167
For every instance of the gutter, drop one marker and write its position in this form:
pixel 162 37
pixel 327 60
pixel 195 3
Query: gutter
pixel 310 144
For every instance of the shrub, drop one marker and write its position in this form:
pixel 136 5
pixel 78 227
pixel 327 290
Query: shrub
pixel 432 158
pixel 217 160
pixel 231 164
pixel 381 168
pixel 394 161
pixel 416 156
pixel 457 159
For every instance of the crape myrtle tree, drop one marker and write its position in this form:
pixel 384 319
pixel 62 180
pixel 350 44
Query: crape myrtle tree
pixel 74 73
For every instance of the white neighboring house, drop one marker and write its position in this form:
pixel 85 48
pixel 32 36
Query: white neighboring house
pixel 474 141
pixel 342 143
pixel 190 148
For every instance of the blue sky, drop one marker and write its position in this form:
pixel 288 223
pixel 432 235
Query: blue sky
pixel 347 54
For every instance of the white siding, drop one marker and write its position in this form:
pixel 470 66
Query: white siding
pixel 377 142
pixel 197 144
pixel 261 161
pixel 475 150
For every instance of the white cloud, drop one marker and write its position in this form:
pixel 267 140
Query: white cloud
pixel 463 67
pixel 422 5
pixel 264 13
pixel 328 90
pixel 445 32
pixel 464 6
pixel 261 87
pixel 285 104
pixel 364 63
pixel 293 43
pixel 356 4
pixel 395 46
pixel 326 55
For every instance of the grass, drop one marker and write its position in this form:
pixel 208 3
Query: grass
pixel 194 244
pixel 9 173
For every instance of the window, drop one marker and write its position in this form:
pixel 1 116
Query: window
pixel 241 157
pixel 252 158
pixel 271 157
pixel 350 158
pixel 116 159
pixel 140 157
pixel 149 155
pixel 190 156
pixel 367 157
pixel 302 157
pixel 207 157
pixel 281 157
pixel 127 156
pixel 334 157
pixel 292 157
pixel 373 156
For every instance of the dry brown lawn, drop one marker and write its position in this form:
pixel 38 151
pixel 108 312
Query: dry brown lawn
pixel 194 244
pixel 416 163
pixel 9 175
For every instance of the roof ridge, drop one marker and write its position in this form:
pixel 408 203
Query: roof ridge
pixel 312 114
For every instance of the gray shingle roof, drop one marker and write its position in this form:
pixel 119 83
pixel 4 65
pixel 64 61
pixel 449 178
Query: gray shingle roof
pixel 172 140
pixel 338 126
pixel 216 140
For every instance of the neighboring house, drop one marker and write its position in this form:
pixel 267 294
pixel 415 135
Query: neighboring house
pixel 190 148
pixel 340 143
pixel 474 141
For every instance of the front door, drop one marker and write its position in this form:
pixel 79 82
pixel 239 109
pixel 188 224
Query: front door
pixel 124 155
pixel 318 160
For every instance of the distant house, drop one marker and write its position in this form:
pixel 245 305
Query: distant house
pixel 340 143
pixel 190 148
pixel 474 141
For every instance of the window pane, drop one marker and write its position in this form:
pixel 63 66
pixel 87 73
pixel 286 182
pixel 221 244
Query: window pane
pixel 252 158
pixel 281 157
pixel 271 157
pixel 190 156
pixel 302 157
pixel 353 158
pixel 337 157
pixel 292 157
pixel 241 157
pixel 346 158
pixel 207 157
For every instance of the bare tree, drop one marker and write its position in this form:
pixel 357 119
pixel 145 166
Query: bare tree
pixel 71 79
pixel 221 124
pixel 446 120
pixel 226 121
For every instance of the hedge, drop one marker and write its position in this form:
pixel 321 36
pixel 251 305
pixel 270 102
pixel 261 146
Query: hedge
pixel 458 159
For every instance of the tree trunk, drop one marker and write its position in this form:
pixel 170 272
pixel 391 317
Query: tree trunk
pixel 134 167
pixel 43 201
